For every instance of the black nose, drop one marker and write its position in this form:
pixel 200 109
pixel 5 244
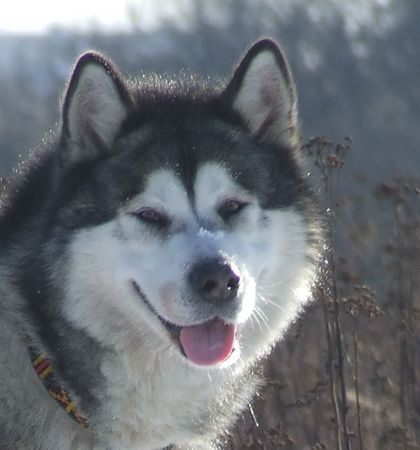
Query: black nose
pixel 214 280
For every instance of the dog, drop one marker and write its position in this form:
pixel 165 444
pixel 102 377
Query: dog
pixel 152 253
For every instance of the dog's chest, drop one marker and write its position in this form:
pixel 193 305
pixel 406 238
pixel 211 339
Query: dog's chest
pixel 157 404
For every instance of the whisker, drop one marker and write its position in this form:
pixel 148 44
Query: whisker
pixel 262 313
pixel 263 317
pixel 257 320
pixel 252 320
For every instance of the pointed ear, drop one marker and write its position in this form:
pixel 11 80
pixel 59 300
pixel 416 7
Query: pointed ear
pixel 95 105
pixel 262 91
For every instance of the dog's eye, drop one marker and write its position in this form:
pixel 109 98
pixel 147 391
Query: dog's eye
pixel 153 217
pixel 230 207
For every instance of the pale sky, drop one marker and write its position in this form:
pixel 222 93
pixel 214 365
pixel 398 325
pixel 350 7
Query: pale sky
pixel 37 16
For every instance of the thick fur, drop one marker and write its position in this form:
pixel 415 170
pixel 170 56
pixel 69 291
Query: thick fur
pixel 101 230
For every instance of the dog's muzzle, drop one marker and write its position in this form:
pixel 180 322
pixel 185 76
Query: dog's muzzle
pixel 211 341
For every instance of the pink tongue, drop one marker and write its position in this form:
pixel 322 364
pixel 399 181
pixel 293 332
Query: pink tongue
pixel 208 343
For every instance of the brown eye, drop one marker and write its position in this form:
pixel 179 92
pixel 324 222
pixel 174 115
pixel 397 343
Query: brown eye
pixel 230 208
pixel 152 217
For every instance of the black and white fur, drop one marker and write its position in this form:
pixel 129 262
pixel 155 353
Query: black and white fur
pixel 99 235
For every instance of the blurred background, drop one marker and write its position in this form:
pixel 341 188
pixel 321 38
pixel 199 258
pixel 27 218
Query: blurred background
pixel 357 68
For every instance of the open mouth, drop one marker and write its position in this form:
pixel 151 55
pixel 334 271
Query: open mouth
pixel 205 344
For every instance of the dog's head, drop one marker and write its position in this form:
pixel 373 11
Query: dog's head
pixel 188 213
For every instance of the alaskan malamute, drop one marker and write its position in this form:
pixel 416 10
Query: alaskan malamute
pixel 150 255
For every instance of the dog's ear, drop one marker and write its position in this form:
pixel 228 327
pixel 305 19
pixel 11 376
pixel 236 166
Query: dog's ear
pixel 95 105
pixel 262 91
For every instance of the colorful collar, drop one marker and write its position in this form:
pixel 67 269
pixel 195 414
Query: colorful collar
pixel 43 368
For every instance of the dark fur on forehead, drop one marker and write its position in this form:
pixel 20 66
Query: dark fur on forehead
pixel 173 101
pixel 173 109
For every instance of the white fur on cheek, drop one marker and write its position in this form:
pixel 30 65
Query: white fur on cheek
pixel 100 298
pixel 284 283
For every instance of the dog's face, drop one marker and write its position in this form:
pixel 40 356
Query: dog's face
pixel 200 238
